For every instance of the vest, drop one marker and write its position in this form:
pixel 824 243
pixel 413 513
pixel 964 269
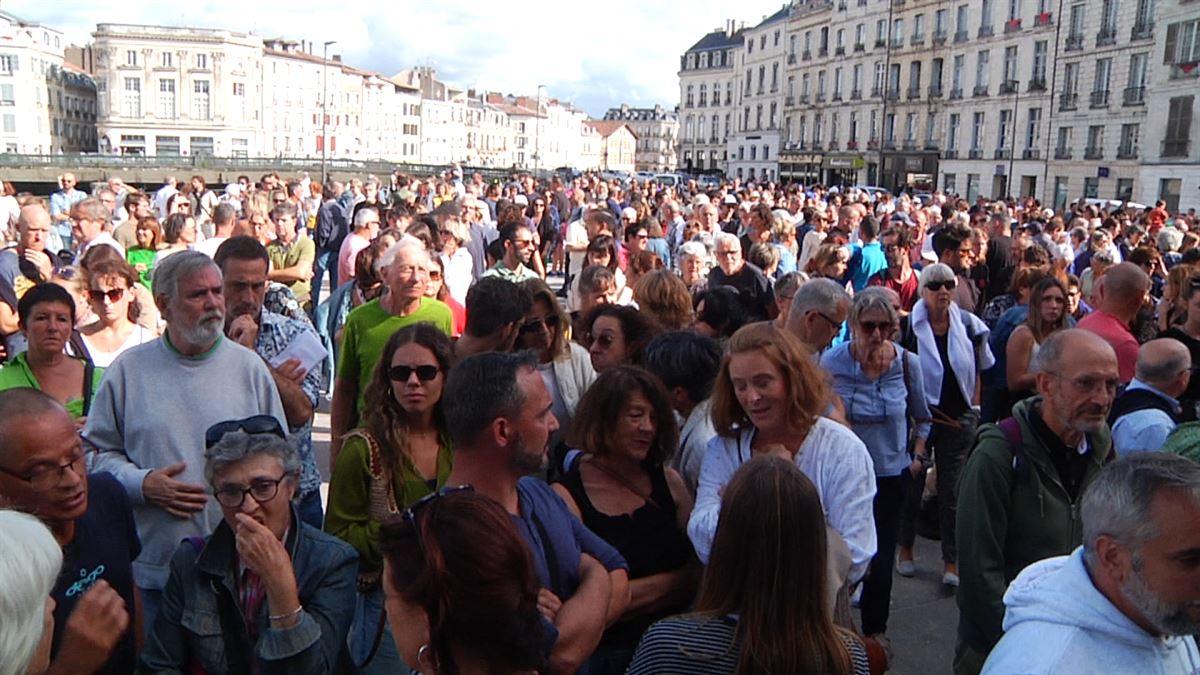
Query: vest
pixel 1140 399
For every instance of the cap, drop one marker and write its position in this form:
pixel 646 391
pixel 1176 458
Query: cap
pixel 730 199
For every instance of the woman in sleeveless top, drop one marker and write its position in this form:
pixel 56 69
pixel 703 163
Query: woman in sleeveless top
pixel 1047 314
pixel 621 490
pixel 110 292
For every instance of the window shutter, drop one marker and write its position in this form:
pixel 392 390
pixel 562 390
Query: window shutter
pixel 1169 47
pixel 1184 127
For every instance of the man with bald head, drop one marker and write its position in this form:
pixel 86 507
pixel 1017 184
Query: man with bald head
pixel 1118 296
pixel 1020 487
pixel 22 267
pixel 1148 410
pixel 60 209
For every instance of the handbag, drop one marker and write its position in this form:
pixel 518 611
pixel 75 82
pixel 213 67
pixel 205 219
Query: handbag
pixel 381 507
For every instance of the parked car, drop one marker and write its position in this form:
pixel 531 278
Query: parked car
pixel 1114 204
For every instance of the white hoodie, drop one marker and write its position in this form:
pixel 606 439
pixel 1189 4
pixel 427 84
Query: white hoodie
pixel 1056 621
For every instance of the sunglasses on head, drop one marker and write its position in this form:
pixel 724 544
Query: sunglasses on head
pixel 948 284
pixel 410 514
pixel 534 325
pixel 113 295
pixel 403 373
pixel 257 424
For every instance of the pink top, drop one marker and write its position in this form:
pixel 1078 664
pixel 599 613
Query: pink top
pixel 351 245
pixel 1114 331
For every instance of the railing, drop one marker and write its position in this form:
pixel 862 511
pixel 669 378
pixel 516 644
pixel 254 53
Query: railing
pixel 860 47
pixel 839 51
pixel 985 32
pixel 914 93
pixel 880 43
pixel 1031 153
pixel 856 95
pixel 823 52
pixel 1134 96
pixel 806 55
pixel 789 101
pixel 1002 153
pixel 1037 84
pixel 1126 151
pixel 1093 153
pixel 1067 100
pixel 1099 99
pixel 1008 87
pixel 935 91
pixel 791 59
pixel 893 95
pixel 876 92
pixel 1074 43
pixel 1183 71
pixel 1043 19
pixel 1012 26
pixel 917 40
pixel 975 154
pixel 956 93
pixel 897 42
pixel 961 36
pixel 949 154
pixel 837 96
pixel 1142 31
pixel 980 90
pixel 1107 36
pixel 939 37
pixel 851 145
pixel 1062 153
pixel 1176 147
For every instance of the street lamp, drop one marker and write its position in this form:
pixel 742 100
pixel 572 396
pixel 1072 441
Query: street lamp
pixel 537 139
pixel 324 103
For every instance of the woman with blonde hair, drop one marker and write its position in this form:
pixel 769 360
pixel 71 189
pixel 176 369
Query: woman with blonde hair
pixel 665 297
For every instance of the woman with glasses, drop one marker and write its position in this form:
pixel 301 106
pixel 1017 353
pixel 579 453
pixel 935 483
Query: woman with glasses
pixel 616 334
pixel 110 292
pixel 401 454
pixel 179 234
pixel 952 347
pixel 265 593
pixel 436 288
pixel 46 314
pixel 565 366
pixel 460 588
pixel 882 388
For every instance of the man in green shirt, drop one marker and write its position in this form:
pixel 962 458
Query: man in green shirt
pixel 519 249
pixel 404 268
pixel 291 258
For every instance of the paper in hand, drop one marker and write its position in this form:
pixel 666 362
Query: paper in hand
pixel 306 349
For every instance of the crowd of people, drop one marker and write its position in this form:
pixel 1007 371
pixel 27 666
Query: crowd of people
pixel 583 425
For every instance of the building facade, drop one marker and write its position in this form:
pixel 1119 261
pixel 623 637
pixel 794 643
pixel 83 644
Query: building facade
pixel 657 132
pixel 706 100
pixel 1170 168
pixel 618 145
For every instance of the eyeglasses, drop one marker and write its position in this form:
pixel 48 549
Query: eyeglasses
pixel 99 294
pixel 410 514
pixel 1089 384
pixel 870 327
pixel 403 373
pixel 262 490
pixel 257 424
pixel 534 325
pixel 948 284
pixel 823 315
pixel 50 477
pixel 522 243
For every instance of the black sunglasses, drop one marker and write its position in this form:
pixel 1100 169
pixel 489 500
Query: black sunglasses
pixel 257 424
pixel 410 514
pixel 113 295
pixel 949 285
pixel 402 373
pixel 534 325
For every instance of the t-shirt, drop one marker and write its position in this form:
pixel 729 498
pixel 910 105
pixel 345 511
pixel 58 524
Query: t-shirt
pixel 368 329
pixel 105 546
pixel 907 289
pixel 756 292
pixel 349 250
pixel 301 250
pixel 1117 334
pixel 866 261
pixel 143 257
pixel 18 275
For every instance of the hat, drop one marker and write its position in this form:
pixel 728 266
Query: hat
pixel 1047 214
pixel 902 217
pixel 730 199
pixel 521 199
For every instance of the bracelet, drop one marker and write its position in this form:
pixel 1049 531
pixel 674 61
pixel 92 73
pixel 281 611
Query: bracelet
pixel 281 617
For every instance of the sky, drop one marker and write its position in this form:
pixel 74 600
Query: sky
pixel 594 54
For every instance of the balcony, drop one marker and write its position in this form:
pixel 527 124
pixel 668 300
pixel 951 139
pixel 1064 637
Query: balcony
pixel 880 43
pixel 806 55
pixel 956 93
pixel 1043 19
pixel 851 145
pixel 1037 84
pixel 1099 99
pixel 1141 31
pixel 1106 37
pixel 910 144
pixel 950 154
pixel 859 47
pixel 939 38
pixel 1093 153
pixel 1062 153
pixel 1031 153
pixel 1127 151
pixel 820 97
pixel 1175 147
pixel 980 90
pixel 789 101
pixel 914 93
pixel 875 92
pixel 1074 43
pixel 1183 71
pixel 873 144
pixel 822 52
pixel 803 99
pixel 1009 87
pixel 714 139
pixel 985 32
pixel 1012 25
pixel 1067 101
pixel 856 95
pixel 1134 96
pixel 837 96
pixel 897 43
pixel 839 51
pixel 975 154
pixel 1002 153
pixel 935 91
pixel 791 59
pixel 961 36
pixel 889 144
pixel 917 40
pixel 893 94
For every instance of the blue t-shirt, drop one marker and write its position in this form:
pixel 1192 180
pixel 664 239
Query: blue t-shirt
pixel 865 262
pixel 105 546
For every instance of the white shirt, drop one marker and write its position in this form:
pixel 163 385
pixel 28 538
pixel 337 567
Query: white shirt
pixel 458 274
pixel 102 239
pixel 161 198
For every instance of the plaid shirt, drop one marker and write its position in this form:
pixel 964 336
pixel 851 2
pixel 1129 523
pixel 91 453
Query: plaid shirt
pixel 275 333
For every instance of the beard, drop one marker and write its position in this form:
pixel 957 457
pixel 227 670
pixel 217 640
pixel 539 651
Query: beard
pixel 205 331
pixel 525 460
pixel 1169 618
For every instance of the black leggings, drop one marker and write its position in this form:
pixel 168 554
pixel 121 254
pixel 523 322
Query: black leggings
pixel 877 588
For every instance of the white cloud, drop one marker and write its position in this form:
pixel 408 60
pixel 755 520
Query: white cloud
pixel 595 54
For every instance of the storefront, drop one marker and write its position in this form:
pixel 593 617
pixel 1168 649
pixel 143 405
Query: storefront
pixel 800 168
pixel 842 169
pixel 909 168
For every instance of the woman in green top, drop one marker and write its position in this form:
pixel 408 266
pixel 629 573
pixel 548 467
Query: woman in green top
pixel 141 257
pixel 402 454
pixel 47 316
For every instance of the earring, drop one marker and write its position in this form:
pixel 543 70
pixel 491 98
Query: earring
pixel 421 652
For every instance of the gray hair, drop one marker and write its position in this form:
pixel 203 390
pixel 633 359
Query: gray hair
pixel 1118 503
pixel 236 446
pixel 389 256
pixel 789 283
pixel 456 228
pixel 874 298
pixel 360 218
pixel 168 272
pixel 694 249
pixel 1169 239
pixel 726 238
pixel 936 272
pixel 30 560
pixel 819 295
pixel 1161 361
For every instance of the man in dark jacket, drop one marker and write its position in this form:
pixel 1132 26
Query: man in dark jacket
pixel 1020 489
pixel 332 228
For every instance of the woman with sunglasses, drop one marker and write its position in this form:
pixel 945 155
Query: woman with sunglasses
pixel 460 588
pixel 266 592
pixel 616 334
pixel 436 288
pixel 110 292
pixel 882 388
pixel 952 347
pixel 46 314
pixel 565 366
pixel 401 454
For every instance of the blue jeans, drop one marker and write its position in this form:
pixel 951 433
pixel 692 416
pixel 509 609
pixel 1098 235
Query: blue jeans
pixel 309 508
pixel 326 261
pixel 151 601
pixel 368 612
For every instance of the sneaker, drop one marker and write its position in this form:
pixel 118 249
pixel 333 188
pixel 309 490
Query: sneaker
pixel 906 568
pixel 950 579
pixel 856 597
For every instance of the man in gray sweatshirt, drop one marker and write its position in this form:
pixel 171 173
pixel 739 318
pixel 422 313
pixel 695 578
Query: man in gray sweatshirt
pixel 154 404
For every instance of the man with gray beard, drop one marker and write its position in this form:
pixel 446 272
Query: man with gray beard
pixel 1126 601
pixel 148 419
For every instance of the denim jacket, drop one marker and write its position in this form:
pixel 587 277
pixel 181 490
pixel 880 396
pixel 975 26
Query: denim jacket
pixel 202 589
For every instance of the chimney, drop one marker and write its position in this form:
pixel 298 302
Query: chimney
pixel 336 58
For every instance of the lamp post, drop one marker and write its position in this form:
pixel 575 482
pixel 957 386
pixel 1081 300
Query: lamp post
pixel 324 104
pixel 537 139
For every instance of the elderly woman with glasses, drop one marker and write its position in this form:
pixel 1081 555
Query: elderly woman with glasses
pixel 265 593
pixel 882 387
pixel 952 347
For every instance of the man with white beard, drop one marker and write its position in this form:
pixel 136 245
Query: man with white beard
pixel 1126 601
pixel 157 399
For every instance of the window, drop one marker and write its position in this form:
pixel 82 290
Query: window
pixel 948 183
pixel 841 38
pixel 1033 129
pixel 952 132
pixel 939 21
pixel 792 45
pixel 131 57
pixel 860 34
pixel 10 123
pixel 1179 123
pixel 132 101
pixel 856 78
pixel 239 89
pixel 818 129
pixel 1183 43
pixel 168 60
pixel 914 76
pixel 1129 141
pixel 910 128
pixel 837 82
pixel 703 94
pixel 879 74
pixel 203 145
pixel 1010 63
pixel 1070 77
pixel 1063 149
pixel 956 78
pixel 166 145
pixel 804 80
pixel 919 27
pixel 972 187
pixel 166 99
pixel 985 15
pixel 1108 18
pixel 1039 61
pixel 854 125
pixel 930 126
pixel 1103 72
pixel 1076 24
pixel 1091 187
pixel 981 69
pixel 8 64
pixel 977 131
pixel 1002 135
pixel 960 20
pixel 201 63
pixel 897 31
pixel 691 62
pixel 889 128
pixel 1095 140
pixel 1014 10
pixel 200 101
pixel 6 95
pixel 704 60
pixel 1125 189
pixel 1062 191
pixel 689 100
pixel 774 77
